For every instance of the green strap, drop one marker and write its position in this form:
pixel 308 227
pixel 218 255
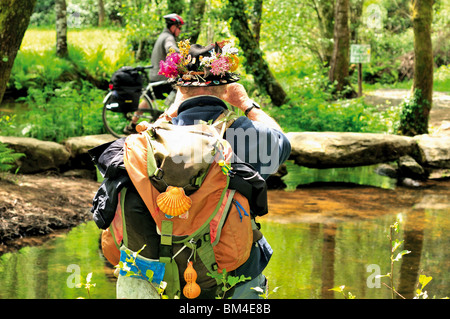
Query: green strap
pixel 123 194
pixel 171 275
pixel 216 210
pixel 166 232
pixel 152 167
pixel 227 118
pixel 224 216
pixel 206 252
pixel 111 230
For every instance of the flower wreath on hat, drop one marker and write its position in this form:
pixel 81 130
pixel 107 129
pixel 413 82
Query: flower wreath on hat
pixel 197 65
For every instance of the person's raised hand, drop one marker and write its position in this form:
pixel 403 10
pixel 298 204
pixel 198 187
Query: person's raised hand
pixel 237 96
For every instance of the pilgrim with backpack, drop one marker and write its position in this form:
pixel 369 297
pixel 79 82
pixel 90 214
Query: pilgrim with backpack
pixel 180 199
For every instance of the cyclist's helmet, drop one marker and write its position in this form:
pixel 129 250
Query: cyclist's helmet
pixel 172 19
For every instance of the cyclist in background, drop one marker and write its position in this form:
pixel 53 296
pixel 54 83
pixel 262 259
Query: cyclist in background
pixel 165 42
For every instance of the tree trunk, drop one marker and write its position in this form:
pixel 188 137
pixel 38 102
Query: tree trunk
pixel 61 28
pixel 256 65
pixel 196 12
pixel 423 51
pixel 101 13
pixel 256 19
pixel 415 115
pixel 325 16
pixel 340 59
pixel 175 6
pixel 356 8
pixel 14 19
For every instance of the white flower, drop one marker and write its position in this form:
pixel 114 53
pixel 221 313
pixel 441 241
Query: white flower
pixel 228 49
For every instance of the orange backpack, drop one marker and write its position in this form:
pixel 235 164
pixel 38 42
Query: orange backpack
pixel 216 224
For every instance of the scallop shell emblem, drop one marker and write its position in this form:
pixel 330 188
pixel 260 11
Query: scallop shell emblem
pixel 173 201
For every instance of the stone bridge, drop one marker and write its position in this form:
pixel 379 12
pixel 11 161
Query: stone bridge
pixel 421 154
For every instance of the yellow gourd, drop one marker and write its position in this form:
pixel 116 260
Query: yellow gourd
pixel 192 289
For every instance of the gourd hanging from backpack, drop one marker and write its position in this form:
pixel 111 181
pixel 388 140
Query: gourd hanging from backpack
pixel 192 289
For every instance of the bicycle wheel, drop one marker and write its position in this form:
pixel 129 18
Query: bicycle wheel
pixel 115 122
pixel 152 110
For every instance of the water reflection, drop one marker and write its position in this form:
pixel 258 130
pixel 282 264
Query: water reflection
pixel 361 175
pixel 329 236
pixel 41 271
pixel 322 237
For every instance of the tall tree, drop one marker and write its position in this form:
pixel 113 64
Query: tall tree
pixel 325 17
pixel 101 12
pixel 256 18
pixel 340 59
pixel 14 18
pixel 256 65
pixel 61 28
pixel 196 12
pixel 416 113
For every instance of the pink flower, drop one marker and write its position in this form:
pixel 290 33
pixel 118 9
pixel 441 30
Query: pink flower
pixel 220 66
pixel 169 67
pixel 174 58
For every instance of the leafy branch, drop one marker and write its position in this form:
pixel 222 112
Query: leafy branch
pixel 395 244
pixel 228 281
pixel 341 289
pixel 87 285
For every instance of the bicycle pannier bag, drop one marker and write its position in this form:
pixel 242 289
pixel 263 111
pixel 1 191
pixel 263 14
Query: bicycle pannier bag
pixel 126 88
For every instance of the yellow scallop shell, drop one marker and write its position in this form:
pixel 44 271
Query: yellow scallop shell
pixel 173 201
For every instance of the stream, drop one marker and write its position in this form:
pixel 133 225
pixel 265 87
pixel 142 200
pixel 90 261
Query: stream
pixel 323 235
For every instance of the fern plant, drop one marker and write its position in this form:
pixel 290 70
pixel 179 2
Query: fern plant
pixel 8 157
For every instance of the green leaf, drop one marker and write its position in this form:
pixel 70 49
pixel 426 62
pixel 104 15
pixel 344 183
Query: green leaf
pixel 232 280
pixel 395 244
pixel 395 226
pixel 400 254
pixel 338 289
pixel 424 280
pixel 119 265
pixel 149 273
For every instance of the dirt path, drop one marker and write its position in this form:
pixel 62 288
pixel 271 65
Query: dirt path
pixel 440 111
pixel 36 205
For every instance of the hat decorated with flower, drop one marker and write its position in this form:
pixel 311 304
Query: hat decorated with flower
pixel 197 65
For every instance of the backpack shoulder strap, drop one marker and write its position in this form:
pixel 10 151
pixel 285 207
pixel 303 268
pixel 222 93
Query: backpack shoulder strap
pixel 117 227
pixel 224 121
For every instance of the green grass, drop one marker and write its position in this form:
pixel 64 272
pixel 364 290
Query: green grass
pixel 63 102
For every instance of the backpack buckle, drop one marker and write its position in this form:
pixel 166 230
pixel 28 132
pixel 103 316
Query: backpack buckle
pixel 159 174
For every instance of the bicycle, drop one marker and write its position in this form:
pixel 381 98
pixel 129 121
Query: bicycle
pixel 115 118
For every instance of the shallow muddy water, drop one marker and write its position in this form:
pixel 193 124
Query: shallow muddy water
pixel 323 236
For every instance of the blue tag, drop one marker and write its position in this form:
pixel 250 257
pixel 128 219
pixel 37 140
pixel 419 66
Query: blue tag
pixel 143 265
